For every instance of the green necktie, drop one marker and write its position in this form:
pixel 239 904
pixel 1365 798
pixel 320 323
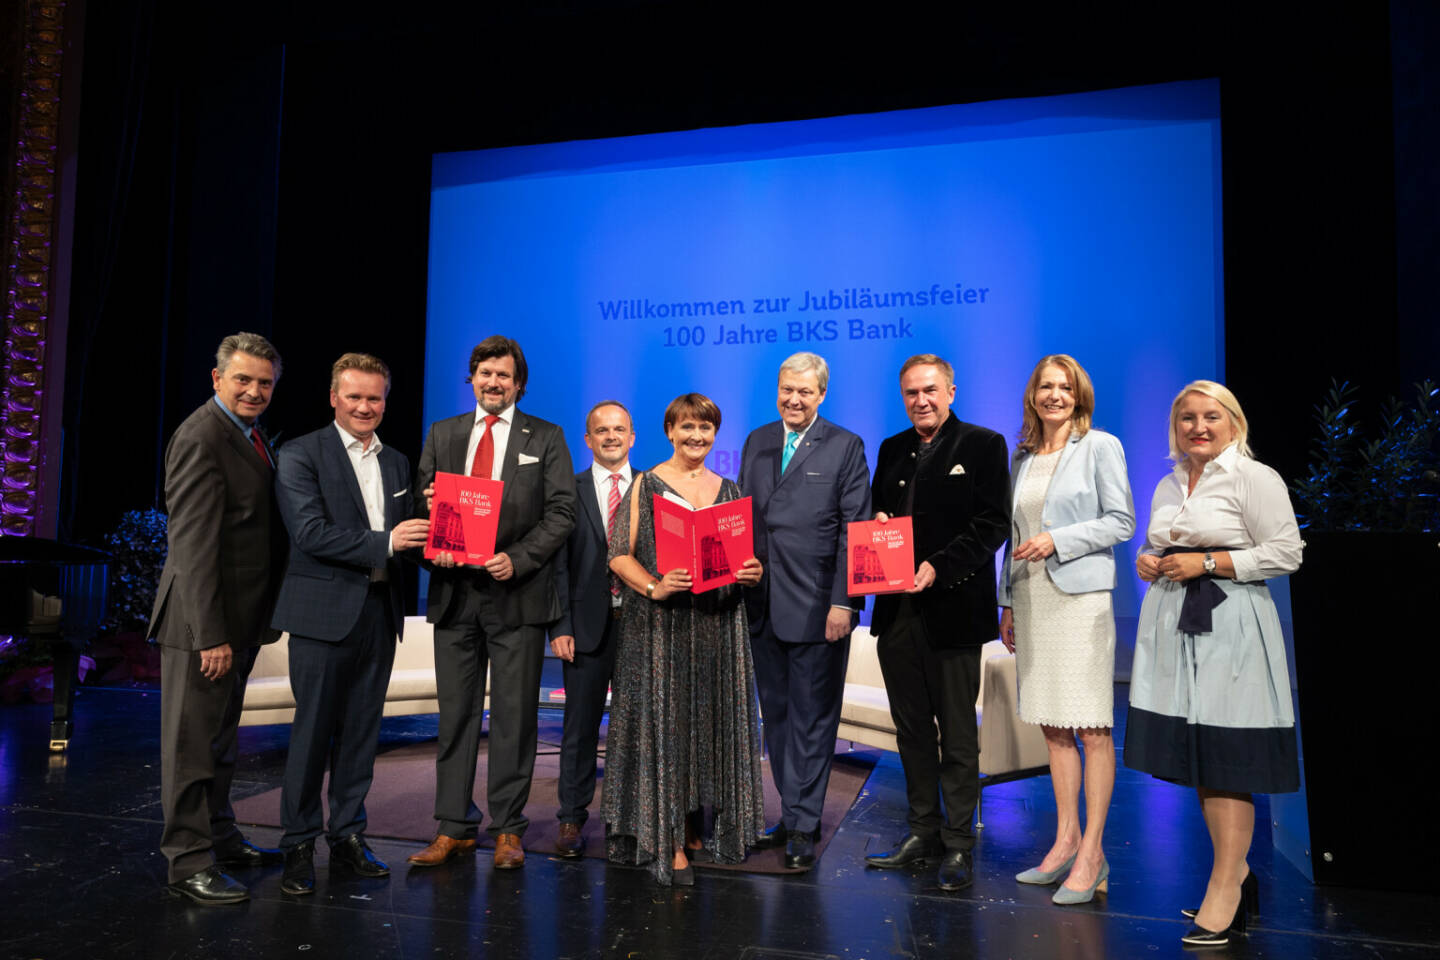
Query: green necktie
pixel 792 440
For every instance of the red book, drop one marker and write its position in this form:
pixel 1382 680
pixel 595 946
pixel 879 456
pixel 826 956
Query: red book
pixel 712 542
pixel 464 515
pixel 881 557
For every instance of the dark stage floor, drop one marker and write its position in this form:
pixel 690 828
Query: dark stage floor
pixel 80 876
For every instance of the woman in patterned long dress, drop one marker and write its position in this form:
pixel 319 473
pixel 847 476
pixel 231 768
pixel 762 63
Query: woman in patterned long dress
pixel 684 731
pixel 1072 505
pixel 1210 700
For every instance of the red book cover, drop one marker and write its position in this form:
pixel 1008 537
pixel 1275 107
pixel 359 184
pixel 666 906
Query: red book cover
pixel 712 542
pixel 881 556
pixel 464 515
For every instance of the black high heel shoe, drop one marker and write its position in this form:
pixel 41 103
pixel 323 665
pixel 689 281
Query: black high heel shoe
pixel 1198 936
pixel 1249 895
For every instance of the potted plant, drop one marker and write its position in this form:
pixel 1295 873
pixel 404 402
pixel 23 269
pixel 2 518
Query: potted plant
pixel 1369 511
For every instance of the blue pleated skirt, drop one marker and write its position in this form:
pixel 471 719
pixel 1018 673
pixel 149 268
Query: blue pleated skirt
pixel 1214 709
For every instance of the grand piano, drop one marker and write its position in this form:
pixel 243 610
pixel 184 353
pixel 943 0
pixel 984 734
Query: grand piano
pixel 54 593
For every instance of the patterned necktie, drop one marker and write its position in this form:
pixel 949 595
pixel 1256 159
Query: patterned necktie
pixel 792 440
pixel 485 450
pixel 260 446
pixel 612 506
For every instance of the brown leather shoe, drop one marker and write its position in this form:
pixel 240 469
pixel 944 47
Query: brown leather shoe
pixel 570 844
pixel 508 852
pixel 442 849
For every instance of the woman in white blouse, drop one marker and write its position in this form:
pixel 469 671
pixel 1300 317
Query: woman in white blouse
pixel 1072 505
pixel 1210 699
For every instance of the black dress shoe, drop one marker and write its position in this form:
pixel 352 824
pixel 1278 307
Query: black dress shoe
pixel 957 870
pixel 210 887
pixel 771 838
pixel 799 852
pixel 299 876
pixel 242 853
pixel 352 854
pixel 910 851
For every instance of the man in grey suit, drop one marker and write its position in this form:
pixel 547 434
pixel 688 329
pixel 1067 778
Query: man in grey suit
pixel 584 636
pixel 345 497
pixel 494 616
pixel 212 612
pixel 808 479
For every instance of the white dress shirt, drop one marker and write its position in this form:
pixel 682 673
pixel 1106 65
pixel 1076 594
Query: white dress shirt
pixel 366 462
pixel 1238 504
pixel 501 438
pixel 601 476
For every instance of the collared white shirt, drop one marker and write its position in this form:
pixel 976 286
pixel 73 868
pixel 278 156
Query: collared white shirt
pixel 501 438
pixel 366 463
pixel 601 476
pixel 1238 504
pixel 785 432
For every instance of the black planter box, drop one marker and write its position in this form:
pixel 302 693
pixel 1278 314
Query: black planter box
pixel 1366 609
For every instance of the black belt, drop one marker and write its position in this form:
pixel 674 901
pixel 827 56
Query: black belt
pixel 1202 595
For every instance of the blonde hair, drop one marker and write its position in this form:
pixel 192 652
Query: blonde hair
pixel 1221 395
pixel 1032 433
pixel 361 363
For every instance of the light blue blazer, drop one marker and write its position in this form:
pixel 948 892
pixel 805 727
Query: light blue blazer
pixel 1088 509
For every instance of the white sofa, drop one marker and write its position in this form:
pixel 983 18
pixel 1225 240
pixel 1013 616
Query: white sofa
pixel 1008 748
pixel 412 680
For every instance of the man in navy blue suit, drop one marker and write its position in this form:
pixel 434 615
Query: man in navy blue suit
pixel 809 479
pixel 584 636
pixel 345 498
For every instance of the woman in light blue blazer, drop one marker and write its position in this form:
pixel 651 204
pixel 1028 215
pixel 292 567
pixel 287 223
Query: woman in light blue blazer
pixel 1072 505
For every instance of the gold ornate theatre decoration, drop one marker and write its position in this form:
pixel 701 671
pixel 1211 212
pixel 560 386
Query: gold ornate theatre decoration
pixel 28 266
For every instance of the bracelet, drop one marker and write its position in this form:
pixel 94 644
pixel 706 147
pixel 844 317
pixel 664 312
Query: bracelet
pixel 650 588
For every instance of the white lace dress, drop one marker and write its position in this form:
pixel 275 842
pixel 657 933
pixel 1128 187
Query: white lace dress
pixel 1064 642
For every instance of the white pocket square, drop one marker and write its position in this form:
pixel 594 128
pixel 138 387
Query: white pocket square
pixel 526 458
pixel 957 470
pixel 401 493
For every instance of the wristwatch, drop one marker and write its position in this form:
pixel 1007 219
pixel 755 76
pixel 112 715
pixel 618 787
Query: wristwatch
pixel 1209 563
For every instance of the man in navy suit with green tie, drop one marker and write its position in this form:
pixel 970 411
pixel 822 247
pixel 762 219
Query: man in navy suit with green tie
pixel 808 480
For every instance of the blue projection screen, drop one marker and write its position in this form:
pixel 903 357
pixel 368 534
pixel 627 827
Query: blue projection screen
pixel 641 268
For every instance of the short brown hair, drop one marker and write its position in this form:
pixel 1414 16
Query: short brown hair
pixel 923 359
pixel 361 362
pixel 1032 434
pixel 501 346
pixel 608 403
pixel 694 406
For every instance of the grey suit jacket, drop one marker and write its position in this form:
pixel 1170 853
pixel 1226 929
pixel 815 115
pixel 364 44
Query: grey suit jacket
pixel 537 513
pixel 227 544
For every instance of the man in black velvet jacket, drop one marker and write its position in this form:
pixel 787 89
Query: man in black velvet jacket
pixel 954 479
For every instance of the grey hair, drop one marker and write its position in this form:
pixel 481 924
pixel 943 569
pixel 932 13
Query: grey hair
pixel 803 361
pixel 251 343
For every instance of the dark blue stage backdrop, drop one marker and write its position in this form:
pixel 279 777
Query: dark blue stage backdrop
pixel 992 233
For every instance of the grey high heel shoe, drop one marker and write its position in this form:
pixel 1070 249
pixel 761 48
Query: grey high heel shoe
pixel 1045 877
pixel 1065 896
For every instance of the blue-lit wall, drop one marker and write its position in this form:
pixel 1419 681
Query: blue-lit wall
pixel 1087 224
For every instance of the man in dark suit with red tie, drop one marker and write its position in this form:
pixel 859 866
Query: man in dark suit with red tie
pixel 953 478
pixel 345 497
pixel 212 612
pixel 584 636
pixel 494 616
pixel 809 479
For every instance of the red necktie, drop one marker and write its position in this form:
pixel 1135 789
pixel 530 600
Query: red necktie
pixel 612 506
pixel 485 450
pixel 260 446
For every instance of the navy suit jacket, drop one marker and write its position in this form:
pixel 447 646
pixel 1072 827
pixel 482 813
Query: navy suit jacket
pixel 800 526
pixel 582 572
pixel 537 513
pixel 961 518
pixel 332 548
